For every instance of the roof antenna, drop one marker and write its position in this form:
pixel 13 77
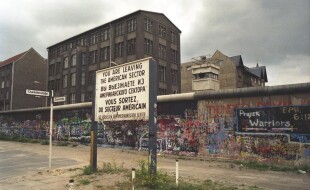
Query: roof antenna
pixel 257 62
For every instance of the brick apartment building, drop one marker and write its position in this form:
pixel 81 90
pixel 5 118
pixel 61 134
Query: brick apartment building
pixel 27 70
pixel 140 34
pixel 220 72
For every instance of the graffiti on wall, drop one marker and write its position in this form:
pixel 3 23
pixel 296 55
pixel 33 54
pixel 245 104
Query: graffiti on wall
pixel 292 120
pixel 214 128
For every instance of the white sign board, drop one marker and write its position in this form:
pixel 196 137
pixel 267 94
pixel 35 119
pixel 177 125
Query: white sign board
pixel 37 92
pixel 122 92
pixel 60 99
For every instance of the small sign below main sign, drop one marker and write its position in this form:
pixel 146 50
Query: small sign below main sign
pixel 37 92
pixel 60 99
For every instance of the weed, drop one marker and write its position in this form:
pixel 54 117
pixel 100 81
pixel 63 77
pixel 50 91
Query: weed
pixel 112 168
pixel 84 181
pixel 87 170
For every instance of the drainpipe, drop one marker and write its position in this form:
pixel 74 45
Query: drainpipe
pixel 12 84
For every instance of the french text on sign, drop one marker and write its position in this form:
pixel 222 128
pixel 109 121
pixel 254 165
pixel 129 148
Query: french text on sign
pixel 122 92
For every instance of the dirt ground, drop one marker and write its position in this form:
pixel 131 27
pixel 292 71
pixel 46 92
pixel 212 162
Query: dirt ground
pixel 194 169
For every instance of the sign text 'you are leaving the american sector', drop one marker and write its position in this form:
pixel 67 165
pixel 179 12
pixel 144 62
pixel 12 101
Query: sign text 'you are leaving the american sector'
pixel 122 92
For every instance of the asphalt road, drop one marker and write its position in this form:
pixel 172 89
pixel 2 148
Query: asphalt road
pixel 20 162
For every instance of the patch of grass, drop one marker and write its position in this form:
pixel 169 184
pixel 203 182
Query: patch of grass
pixel 44 142
pixel 88 170
pixel 62 143
pixel 163 181
pixel 84 181
pixel 74 144
pixel 34 141
pixel 6 138
pixel 263 167
pixel 23 139
pixel 112 168
pixel 255 188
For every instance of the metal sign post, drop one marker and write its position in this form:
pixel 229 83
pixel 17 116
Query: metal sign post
pixel 152 118
pixel 51 95
pixel 51 131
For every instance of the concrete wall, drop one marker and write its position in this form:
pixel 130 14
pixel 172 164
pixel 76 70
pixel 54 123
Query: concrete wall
pixel 195 124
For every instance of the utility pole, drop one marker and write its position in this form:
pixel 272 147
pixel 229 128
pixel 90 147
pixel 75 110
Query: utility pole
pixel 93 132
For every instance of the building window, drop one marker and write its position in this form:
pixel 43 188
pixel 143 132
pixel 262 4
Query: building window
pixel 173 37
pixel 104 53
pixel 65 81
pixel 90 96
pixel 2 84
pixel 50 85
pixel 148 24
pixel 69 45
pixel 51 69
pixel 93 39
pixel 57 84
pixel 119 29
pixel 83 55
pixel 58 66
pixel 82 97
pixel 148 46
pixel 174 76
pixel 73 60
pixel 132 25
pixel 162 91
pixel 131 46
pixel 83 78
pixel 119 49
pixel 162 31
pixel 105 34
pixel 66 63
pixel 73 79
pixel 7 95
pixel 91 77
pixel 58 51
pixel 72 98
pixel 162 73
pixel 7 83
pixel 206 75
pixel 93 57
pixel 162 51
pixel 82 42
pixel 174 55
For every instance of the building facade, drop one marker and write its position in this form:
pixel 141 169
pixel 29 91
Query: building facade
pixel 27 70
pixel 220 72
pixel 73 62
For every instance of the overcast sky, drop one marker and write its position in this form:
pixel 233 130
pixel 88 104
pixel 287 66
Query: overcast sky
pixel 274 33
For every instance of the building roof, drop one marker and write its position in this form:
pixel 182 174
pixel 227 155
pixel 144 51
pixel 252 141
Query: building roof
pixel 12 59
pixel 259 71
pixel 108 23
pixel 237 60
